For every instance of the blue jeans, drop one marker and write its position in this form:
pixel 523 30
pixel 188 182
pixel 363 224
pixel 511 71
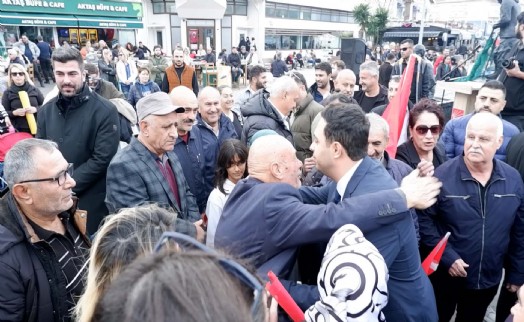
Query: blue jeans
pixel 125 89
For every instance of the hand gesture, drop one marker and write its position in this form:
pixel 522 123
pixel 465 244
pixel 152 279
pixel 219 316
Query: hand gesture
pixel 200 233
pixel 515 71
pixel 309 163
pixel 31 110
pixel 458 269
pixel 426 168
pixel 19 112
pixel 421 192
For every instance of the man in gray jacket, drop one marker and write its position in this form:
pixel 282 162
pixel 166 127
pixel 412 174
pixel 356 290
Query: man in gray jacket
pixel 32 52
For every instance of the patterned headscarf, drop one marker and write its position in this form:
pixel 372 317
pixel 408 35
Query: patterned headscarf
pixel 352 280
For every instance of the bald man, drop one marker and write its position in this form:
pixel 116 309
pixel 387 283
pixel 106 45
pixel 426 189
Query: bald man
pixel 482 205
pixel 189 146
pixel 345 82
pixel 215 128
pixel 265 219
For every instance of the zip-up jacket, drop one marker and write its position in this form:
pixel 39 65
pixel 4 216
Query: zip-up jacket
pixel 211 144
pixel 485 224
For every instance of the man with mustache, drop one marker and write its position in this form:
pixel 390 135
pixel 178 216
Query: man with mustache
pixel 86 128
pixel 189 147
pixel 147 170
pixel 491 98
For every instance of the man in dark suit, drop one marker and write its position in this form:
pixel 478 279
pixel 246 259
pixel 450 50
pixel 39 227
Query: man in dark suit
pixel 265 218
pixel 340 149
pixel 147 170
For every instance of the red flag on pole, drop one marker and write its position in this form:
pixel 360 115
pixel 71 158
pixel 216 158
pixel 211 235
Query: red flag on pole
pixel 395 112
pixel 430 264
pixel 277 290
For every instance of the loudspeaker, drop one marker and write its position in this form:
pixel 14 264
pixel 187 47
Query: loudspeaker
pixel 353 53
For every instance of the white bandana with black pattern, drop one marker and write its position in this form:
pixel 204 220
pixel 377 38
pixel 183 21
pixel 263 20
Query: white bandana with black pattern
pixel 352 280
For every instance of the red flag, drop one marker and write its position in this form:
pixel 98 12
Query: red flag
pixel 395 113
pixel 430 264
pixel 277 290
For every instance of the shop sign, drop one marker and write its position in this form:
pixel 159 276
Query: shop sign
pixel 75 7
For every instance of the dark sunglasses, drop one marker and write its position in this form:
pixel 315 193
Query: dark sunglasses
pixel 232 267
pixel 404 49
pixel 17 74
pixel 423 130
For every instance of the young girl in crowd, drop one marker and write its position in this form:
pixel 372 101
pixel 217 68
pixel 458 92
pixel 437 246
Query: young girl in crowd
pixel 231 167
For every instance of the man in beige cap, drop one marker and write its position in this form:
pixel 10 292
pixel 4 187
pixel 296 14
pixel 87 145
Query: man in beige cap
pixel 147 170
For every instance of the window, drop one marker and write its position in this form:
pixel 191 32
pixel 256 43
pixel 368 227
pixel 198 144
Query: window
pixel 294 12
pixel 281 11
pixel 343 17
pixel 236 7
pixel 270 10
pixel 272 42
pixel 316 14
pixel 305 13
pixel 159 7
pixel 326 15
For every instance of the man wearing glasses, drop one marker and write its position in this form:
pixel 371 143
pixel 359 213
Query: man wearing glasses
pixel 492 99
pixel 44 246
pixel 423 78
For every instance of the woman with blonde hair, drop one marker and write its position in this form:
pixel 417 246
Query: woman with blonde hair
pixel 126 72
pixel 18 81
pixel 125 236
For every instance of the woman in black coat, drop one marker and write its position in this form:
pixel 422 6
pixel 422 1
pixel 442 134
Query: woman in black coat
pixel 426 121
pixel 18 80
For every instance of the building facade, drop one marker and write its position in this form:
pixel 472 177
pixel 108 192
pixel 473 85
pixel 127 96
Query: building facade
pixel 285 25
pixel 74 21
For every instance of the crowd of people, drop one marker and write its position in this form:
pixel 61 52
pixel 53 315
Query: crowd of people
pixel 145 195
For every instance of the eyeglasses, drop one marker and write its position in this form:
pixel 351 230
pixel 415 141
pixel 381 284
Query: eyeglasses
pixel 60 178
pixel 232 267
pixel 404 48
pixel 423 129
pixel 17 74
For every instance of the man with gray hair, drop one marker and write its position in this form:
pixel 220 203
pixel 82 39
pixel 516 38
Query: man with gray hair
pixel 482 205
pixel 345 82
pixel 271 111
pixel 371 93
pixel 44 248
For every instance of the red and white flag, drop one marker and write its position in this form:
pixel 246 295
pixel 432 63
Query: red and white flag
pixel 430 264
pixel 396 113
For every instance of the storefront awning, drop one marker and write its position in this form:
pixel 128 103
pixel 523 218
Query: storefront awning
pixel 49 20
pixel 34 19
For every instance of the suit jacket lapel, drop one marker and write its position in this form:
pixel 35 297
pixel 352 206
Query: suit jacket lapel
pixel 358 176
pixel 147 158
pixel 179 175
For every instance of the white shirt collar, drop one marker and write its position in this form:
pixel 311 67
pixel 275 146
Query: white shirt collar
pixel 343 182
pixel 282 116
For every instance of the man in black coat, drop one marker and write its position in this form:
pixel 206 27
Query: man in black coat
pixel 43 248
pixel 86 128
pixel 384 72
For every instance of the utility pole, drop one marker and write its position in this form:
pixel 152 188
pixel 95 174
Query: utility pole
pixel 422 22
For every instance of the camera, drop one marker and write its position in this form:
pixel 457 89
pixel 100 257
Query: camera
pixel 508 63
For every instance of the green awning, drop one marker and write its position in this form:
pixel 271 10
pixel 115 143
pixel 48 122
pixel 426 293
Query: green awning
pixel 110 22
pixel 49 20
pixel 34 19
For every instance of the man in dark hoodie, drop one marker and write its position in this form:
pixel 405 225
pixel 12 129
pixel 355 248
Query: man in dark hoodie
pixel 271 111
